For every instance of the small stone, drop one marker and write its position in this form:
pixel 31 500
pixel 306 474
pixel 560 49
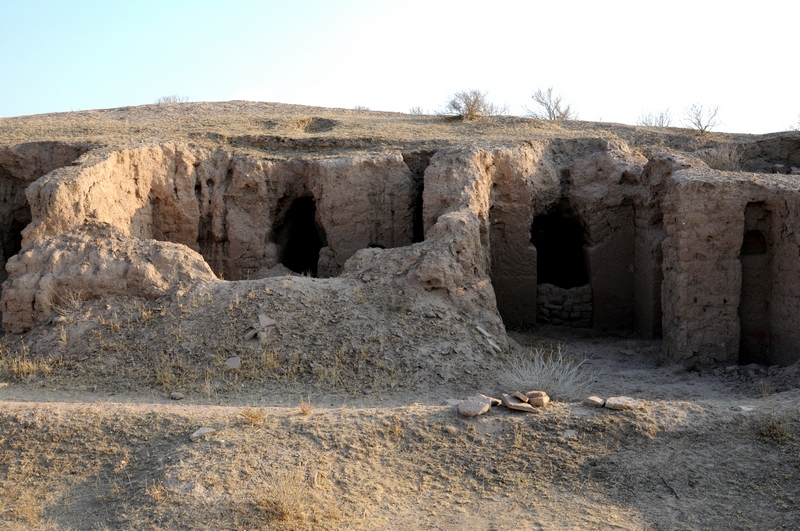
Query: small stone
pixel 594 401
pixel 621 402
pixel 234 362
pixel 266 321
pixel 521 397
pixel 730 369
pixel 250 335
pixel 484 332
pixel 473 408
pixel 512 403
pixel 569 434
pixel 494 345
pixel 202 432
pixel 535 394
pixel 3 384
pixel 493 401
pixel 539 401
pixel 59 319
pixel 746 409
pixel 175 395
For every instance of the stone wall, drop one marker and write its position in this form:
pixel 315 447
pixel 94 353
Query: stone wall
pixel 565 307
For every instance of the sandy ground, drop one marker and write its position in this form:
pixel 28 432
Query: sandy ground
pixel 710 449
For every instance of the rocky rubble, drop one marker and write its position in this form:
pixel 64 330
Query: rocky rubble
pixel 530 402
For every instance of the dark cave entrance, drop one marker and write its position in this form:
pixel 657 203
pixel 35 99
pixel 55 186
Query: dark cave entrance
pixel 754 304
pixel 301 237
pixel 558 238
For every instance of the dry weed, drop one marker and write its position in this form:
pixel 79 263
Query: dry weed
pixel 253 416
pixel 156 492
pixel 166 368
pixel 547 369
pixel 765 388
pixel 21 366
pixel 286 498
pixel 306 408
pixel 67 302
pixel 776 429
pixel 724 157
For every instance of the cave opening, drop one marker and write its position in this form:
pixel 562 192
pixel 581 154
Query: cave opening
pixel 559 240
pixel 301 237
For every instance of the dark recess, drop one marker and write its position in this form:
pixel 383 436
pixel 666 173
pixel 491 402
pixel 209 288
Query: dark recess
pixel 754 243
pixel 301 237
pixel 558 238
pixel 417 161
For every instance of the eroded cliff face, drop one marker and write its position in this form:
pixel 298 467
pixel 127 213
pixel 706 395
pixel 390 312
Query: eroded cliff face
pixel 170 223
pixel 19 166
pixel 579 232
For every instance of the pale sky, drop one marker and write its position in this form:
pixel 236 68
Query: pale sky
pixel 611 60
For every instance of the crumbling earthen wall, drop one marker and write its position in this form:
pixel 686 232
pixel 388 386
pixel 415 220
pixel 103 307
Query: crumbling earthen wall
pixel 228 207
pixel 19 166
pixel 774 153
pixel 705 224
pixel 666 242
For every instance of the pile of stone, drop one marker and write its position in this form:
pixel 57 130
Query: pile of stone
pixel 530 402
pixel 566 307
pixel 613 402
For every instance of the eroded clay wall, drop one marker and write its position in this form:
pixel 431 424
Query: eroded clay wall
pixel 600 187
pixel 19 166
pixel 524 179
pixel 705 223
pixel 227 207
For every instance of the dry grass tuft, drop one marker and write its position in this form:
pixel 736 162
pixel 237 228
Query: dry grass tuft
pixel 776 429
pixel 253 416
pixel 306 408
pixel 286 499
pixel 724 157
pixel 20 366
pixel 765 388
pixel 548 369
pixel 156 492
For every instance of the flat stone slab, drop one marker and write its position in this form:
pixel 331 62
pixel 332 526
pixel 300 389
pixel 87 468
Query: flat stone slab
pixel 234 362
pixel 512 403
pixel 202 432
pixel 594 401
pixel 493 401
pixel 535 394
pixel 621 402
pixel 472 407
pixel 266 321
pixel 483 331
